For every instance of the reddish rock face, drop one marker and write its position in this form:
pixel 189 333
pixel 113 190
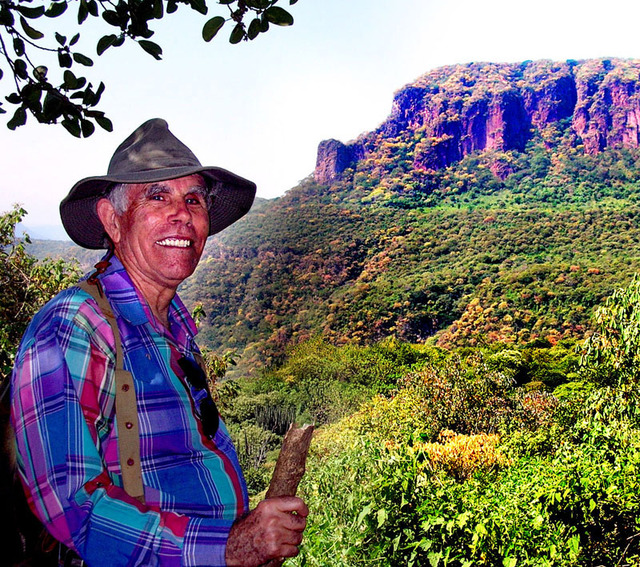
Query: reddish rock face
pixel 462 109
pixel 333 158
pixel 608 107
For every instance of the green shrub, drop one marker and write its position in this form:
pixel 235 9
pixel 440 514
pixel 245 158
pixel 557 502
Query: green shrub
pixel 611 356
pixel 371 505
pixel 254 446
pixel 465 395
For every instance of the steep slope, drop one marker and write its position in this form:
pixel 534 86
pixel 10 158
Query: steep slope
pixel 497 202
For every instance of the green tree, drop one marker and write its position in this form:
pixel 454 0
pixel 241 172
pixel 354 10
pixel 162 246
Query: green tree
pixel 66 97
pixel 26 285
pixel 611 356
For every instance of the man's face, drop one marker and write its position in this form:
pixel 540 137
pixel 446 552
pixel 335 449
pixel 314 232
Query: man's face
pixel 161 235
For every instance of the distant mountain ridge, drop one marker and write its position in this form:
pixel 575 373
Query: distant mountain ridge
pixel 462 109
pixel 64 249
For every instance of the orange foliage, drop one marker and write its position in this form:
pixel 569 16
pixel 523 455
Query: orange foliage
pixel 462 455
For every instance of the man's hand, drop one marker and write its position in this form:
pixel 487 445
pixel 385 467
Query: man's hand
pixel 271 531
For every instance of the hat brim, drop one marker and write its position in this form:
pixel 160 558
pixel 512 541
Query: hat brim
pixel 233 197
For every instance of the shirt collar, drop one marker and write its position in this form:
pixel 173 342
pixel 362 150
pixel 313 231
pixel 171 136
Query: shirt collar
pixel 127 302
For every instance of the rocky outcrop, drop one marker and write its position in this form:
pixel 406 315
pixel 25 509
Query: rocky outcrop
pixel 333 158
pixel 457 110
pixel 608 105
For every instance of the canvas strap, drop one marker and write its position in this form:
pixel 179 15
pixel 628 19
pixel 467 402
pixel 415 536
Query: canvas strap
pixel 126 409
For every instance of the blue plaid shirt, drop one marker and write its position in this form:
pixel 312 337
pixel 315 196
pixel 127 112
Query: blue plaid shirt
pixel 63 412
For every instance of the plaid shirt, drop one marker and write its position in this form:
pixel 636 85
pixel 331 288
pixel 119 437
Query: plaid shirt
pixel 63 412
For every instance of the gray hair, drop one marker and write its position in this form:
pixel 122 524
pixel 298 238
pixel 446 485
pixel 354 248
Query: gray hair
pixel 119 198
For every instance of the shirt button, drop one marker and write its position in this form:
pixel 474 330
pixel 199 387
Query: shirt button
pixel 130 462
pixel 128 425
pixel 125 387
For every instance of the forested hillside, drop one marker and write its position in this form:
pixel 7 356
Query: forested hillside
pixel 505 243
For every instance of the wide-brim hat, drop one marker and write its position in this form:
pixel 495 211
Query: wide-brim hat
pixel 152 153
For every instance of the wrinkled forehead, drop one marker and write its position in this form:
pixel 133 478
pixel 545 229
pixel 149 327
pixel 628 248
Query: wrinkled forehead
pixel 191 184
pixel 125 195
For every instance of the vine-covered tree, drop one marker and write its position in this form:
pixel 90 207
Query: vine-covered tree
pixel 64 96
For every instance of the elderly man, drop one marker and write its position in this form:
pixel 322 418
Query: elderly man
pixel 154 480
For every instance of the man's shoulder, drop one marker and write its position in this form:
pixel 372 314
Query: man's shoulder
pixel 71 307
pixel 65 303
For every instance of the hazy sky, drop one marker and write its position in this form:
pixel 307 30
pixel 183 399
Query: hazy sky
pixel 261 108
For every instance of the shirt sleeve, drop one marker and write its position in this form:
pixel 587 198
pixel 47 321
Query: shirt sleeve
pixel 62 405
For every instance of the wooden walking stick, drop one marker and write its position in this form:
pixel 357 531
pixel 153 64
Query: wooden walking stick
pixel 290 467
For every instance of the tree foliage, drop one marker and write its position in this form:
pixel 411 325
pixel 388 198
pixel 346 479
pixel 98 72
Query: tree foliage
pixel 26 283
pixel 612 354
pixel 65 96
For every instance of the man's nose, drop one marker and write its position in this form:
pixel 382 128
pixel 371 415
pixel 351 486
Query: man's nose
pixel 180 211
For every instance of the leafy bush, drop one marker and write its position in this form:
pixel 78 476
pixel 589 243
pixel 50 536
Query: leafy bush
pixel 611 356
pixel 466 395
pixel 458 456
pixel 377 366
pixel 26 285
pixel 387 506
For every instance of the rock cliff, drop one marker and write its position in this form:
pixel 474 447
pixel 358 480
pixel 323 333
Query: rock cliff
pixel 457 110
pixel 334 157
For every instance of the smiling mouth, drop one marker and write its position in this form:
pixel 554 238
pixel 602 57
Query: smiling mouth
pixel 175 242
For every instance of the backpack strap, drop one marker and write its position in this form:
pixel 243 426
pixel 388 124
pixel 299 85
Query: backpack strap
pixel 126 410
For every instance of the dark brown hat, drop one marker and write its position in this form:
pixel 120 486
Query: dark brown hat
pixel 152 153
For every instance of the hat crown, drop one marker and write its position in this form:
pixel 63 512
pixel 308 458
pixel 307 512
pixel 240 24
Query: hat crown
pixel 151 146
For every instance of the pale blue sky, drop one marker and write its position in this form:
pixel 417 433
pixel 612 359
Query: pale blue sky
pixel 261 108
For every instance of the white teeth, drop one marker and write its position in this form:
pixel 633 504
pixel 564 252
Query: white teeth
pixel 174 242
